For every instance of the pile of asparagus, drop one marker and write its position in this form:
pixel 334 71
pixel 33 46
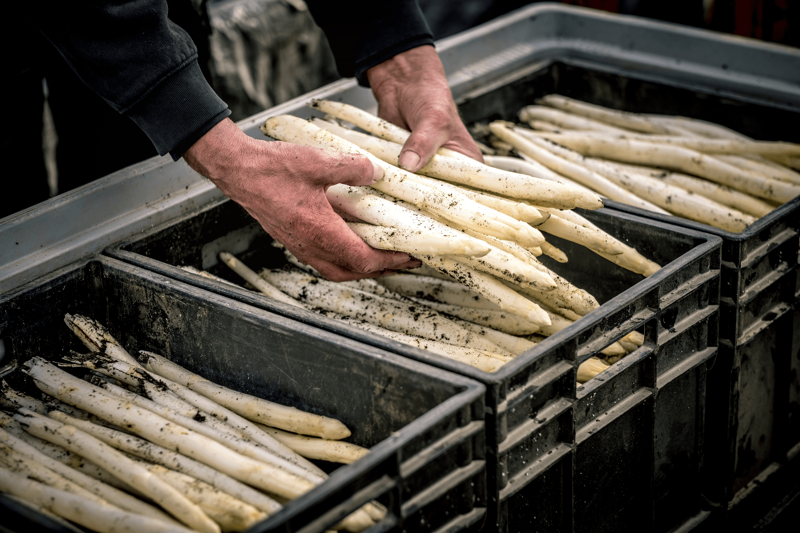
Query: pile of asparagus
pixel 669 165
pixel 145 445
pixel 426 309
pixel 481 228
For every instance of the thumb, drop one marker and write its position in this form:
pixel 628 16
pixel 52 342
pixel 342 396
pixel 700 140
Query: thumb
pixel 428 136
pixel 349 169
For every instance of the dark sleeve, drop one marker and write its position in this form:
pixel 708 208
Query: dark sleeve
pixel 140 62
pixel 364 33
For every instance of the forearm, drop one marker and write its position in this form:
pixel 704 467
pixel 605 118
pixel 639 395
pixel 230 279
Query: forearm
pixel 141 63
pixel 364 33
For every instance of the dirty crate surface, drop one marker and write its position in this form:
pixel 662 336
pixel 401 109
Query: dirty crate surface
pixel 749 385
pixel 536 418
pixel 424 426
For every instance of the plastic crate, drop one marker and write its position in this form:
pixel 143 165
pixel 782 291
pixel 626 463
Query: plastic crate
pixel 532 423
pixel 425 426
pixel 748 385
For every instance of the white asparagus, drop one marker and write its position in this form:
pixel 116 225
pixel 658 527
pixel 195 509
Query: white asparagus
pixel 631 259
pixel 567 296
pixel 699 144
pixel 699 127
pixel 674 199
pixel 595 240
pixel 482 360
pixel 159 455
pixel 111 494
pixel 379 311
pixel 542 151
pixel 621 119
pixel 484 177
pixel 416 242
pixel 246 405
pixel 401 184
pixel 97 338
pixel 212 428
pixel 259 283
pixel 530 167
pixel 540 125
pixel 556 177
pixel 315 448
pixel 369 122
pixel 102 518
pixel 489 287
pixel 136 377
pixel 207 275
pixel 522 212
pixel 421 288
pixel 523 254
pixel 160 431
pixel 590 368
pixel 370 206
pixel 115 462
pixel 443 291
pixel 684 160
pixel 564 120
pixel 76 462
pixel 228 512
pixel 764 167
pixel 510 343
pixel 503 265
pixel 553 252
pixel 720 193
pixel 498 320
pixel 18 463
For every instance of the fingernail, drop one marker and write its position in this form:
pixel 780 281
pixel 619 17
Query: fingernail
pixel 377 172
pixel 409 160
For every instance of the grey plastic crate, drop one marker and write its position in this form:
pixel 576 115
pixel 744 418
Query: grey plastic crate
pixel 748 385
pixel 532 424
pixel 425 426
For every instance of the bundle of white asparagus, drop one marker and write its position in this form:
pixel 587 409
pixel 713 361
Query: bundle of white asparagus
pixel 426 309
pixel 670 165
pixel 146 445
pixel 480 227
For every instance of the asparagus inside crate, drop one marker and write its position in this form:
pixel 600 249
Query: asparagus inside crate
pixel 671 165
pixel 108 440
pixel 479 232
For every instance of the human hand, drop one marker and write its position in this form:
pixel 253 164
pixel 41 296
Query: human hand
pixel 283 186
pixel 412 92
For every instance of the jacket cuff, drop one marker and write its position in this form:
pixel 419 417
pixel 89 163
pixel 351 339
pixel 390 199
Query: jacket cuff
pixel 180 109
pixel 362 67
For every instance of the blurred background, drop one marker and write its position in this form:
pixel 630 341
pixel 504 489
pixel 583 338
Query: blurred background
pixel 265 52
pixel 260 53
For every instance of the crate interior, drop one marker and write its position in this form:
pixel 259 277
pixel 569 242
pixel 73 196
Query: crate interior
pixel 627 94
pixel 248 350
pixel 196 239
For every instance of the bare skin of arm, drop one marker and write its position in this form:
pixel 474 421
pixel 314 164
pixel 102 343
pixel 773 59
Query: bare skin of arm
pixel 283 185
pixel 412 92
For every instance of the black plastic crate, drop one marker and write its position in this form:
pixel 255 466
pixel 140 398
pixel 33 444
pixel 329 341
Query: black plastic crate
pixel 748 386
pixel 531 423
pixel 425 426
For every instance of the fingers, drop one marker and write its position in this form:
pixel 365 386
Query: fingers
pixel 349 169
pixel 430 133
pixel 328 242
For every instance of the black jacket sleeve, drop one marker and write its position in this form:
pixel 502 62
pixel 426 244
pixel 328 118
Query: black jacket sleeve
pixel 140 62
pixel 364 33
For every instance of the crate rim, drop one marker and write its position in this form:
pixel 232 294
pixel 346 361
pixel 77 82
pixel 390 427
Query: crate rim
pixel 508 370
pixel 756 227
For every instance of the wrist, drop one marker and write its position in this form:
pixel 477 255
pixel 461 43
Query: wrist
pixel 421 64
pixel 218 154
